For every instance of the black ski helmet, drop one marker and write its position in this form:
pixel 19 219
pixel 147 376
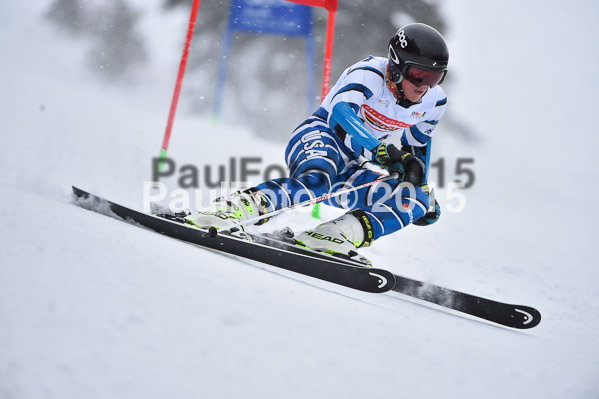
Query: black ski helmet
pixel 418 45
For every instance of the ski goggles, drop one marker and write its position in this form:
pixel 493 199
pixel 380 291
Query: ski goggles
pixel 417 75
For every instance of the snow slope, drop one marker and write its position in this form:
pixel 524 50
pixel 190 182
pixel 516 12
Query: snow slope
pixel 91 307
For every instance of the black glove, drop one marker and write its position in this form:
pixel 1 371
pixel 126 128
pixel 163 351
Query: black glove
pixel 396 160
pixel 434 210
pixel 430 217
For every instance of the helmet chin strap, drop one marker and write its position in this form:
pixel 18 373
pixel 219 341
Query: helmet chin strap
pixel 402 100
pixel 398 92
pixel 401 97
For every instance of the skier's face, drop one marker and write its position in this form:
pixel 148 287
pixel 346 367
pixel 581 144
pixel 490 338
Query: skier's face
pixel 412 92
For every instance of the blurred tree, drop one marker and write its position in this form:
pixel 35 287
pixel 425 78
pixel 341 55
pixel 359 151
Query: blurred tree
pixel 116 46
pixel 68 14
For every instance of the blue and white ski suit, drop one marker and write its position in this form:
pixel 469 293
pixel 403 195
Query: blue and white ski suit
pixel 322 159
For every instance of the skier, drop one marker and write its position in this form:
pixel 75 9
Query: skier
pixel 372 100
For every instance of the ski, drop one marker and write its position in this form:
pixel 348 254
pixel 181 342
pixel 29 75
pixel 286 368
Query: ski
pixel 515 316
pixel 346 272
pixel 301 261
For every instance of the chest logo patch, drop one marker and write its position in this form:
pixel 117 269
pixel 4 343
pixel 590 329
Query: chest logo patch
pixel 379 122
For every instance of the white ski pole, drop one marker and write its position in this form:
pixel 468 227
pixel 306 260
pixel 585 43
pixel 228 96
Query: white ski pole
pixel 213 232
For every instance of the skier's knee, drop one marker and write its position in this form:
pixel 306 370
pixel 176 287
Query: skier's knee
pixel 315 180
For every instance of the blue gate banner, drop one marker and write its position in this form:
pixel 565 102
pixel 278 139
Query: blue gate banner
pixel 270 16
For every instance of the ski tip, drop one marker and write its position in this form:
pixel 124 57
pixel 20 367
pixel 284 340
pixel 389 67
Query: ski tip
pixel 383 279
pixel 79 192
pixel 525 317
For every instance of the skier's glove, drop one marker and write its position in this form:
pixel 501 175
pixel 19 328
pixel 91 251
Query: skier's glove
pixel 395 160
pixel 430 217
pixel 434 210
